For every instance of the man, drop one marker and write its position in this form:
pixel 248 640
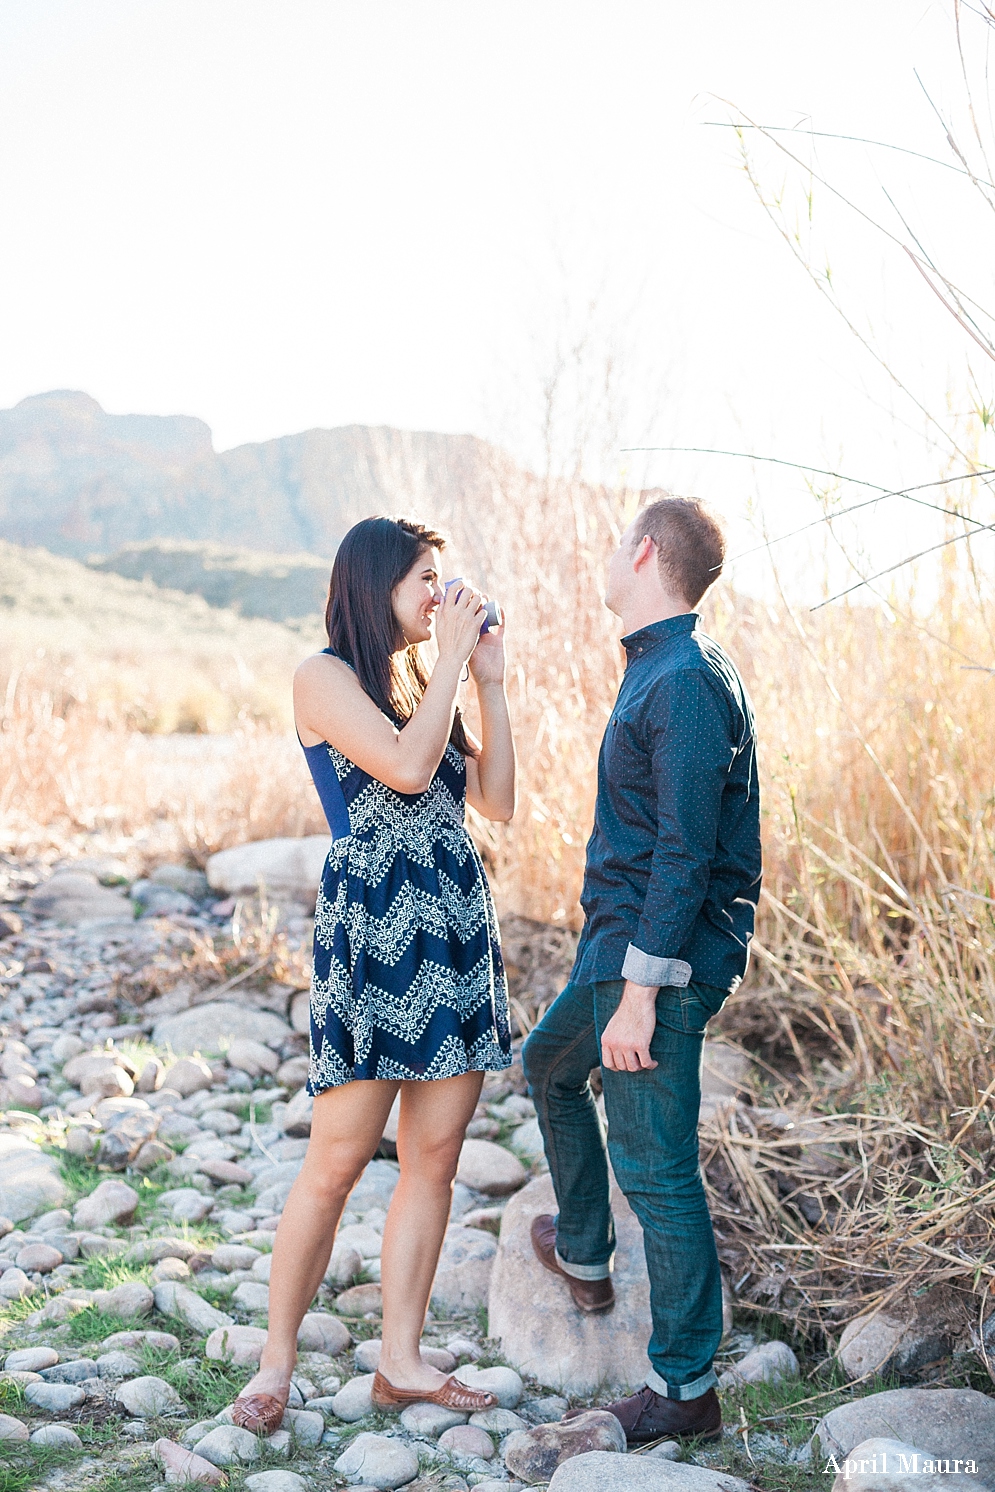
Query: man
pixel 670 892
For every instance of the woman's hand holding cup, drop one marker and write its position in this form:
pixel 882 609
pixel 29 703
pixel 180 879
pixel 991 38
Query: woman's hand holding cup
pixel 458 621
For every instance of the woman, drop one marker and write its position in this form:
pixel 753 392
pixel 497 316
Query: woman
pixel 408 989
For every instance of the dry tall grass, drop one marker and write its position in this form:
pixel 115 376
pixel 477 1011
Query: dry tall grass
pixel 871 998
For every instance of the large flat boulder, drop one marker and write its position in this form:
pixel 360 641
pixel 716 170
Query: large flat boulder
pixel 954 1423
pixel 29 1179
pixel 287 868
pixel 213 1027
pixel 603 1471
pixel 74 897
pixel 882 1465
pixel 540 1329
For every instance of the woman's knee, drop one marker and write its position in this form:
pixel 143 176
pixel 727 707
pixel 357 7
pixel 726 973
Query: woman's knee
pixel 430 1160
pixel 329 1180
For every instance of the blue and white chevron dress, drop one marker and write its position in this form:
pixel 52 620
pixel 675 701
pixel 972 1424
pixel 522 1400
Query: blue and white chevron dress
pixel 408 979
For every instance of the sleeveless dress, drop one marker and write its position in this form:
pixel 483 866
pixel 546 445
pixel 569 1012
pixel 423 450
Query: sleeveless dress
pixel 408 979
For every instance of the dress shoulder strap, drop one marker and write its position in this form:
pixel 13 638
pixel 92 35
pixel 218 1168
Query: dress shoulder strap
pixel 333 654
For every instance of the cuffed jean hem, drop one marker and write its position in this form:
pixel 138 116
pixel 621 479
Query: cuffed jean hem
pixel 681 1391
pixel 586 1271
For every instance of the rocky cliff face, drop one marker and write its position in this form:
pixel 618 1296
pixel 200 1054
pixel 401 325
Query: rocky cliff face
pixel 80 481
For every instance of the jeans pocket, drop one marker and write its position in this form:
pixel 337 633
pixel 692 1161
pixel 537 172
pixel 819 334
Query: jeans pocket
pixel 699 1003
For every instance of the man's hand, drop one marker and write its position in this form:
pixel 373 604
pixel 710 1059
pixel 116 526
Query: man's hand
pixel 625 1041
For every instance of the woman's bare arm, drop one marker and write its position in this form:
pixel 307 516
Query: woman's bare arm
pixel 490 778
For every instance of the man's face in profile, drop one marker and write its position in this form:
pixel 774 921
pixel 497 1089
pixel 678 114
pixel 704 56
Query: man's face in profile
pixel 620 575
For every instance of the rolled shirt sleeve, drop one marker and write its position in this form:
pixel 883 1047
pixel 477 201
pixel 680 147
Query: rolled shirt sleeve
pixel 689 736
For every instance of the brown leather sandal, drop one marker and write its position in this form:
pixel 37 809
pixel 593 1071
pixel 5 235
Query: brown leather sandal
pixel 452 1395
pixel 260 1413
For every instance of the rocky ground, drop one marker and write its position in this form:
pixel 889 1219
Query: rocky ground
pixel 153 1120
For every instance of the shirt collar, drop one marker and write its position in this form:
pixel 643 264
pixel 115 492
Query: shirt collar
pixel 656 633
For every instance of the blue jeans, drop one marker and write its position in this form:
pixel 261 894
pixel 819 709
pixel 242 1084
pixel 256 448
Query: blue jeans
pixel 653 1144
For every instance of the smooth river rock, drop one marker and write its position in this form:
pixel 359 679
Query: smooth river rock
pixel 430 1419
pixel 489 1168
pixel 181 1465
pixel 29 1179
pixel 882 1465
pixel 378 1461
pixel 63 1435
pixel 173 1299
pixel 55 1397
pixel 146 1397
pixel 601 1471
pixel 276 1481
pixel 209 1028
pixel 467 1442
pixel 110 1202
pixel 353 1400
pixel 228 1445
pixel 948 1422
pixel 320 1331
pixel 30 1360
pixel 903 1338
pixel 463 1278
pixel 769 1362
pixel 131 1300
pixel 241 1345
pixel 535 1454
pixel 503 1383
pixel 75 897
pixel 289 869
pixel 540 1329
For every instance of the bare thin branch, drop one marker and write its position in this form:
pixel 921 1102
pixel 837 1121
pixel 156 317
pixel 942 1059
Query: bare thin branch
pixel 784 129
pixel 909 559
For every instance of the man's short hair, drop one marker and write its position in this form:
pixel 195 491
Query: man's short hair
pixel 690 544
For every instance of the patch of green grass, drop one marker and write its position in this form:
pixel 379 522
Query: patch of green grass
pixel 150 1188
pixel 11 1397
pixel 91 1326
pixel 105 1271
pixel 220 1299
pixel 16 1478
pixel 26 1464
pixel 79 1175
pixel 792 1408
pixel 137 1476
pixel 206 1387
pixel 15 1313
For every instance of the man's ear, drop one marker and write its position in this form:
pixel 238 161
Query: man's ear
pixel 643 553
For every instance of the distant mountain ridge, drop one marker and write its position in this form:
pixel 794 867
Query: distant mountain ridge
pixel 280 587
pixel 81 482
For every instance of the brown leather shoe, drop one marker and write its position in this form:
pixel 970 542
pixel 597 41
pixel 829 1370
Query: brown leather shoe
pixel 593 1297
pixel 647 1416
pixel 451 1395
pixel 260 1413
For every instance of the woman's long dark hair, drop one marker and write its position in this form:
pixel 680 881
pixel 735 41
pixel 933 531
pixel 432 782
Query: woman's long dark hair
pixel 371 561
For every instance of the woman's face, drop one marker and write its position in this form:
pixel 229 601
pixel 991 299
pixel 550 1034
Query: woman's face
pixel 417 597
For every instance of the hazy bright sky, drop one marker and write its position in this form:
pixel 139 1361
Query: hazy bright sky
pixel 276 214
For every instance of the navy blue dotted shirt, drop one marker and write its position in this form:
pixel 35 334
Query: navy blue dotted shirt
pixel 673 863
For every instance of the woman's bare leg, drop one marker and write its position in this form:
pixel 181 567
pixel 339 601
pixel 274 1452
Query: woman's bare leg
pixel 346 1128
pixel 433 1121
